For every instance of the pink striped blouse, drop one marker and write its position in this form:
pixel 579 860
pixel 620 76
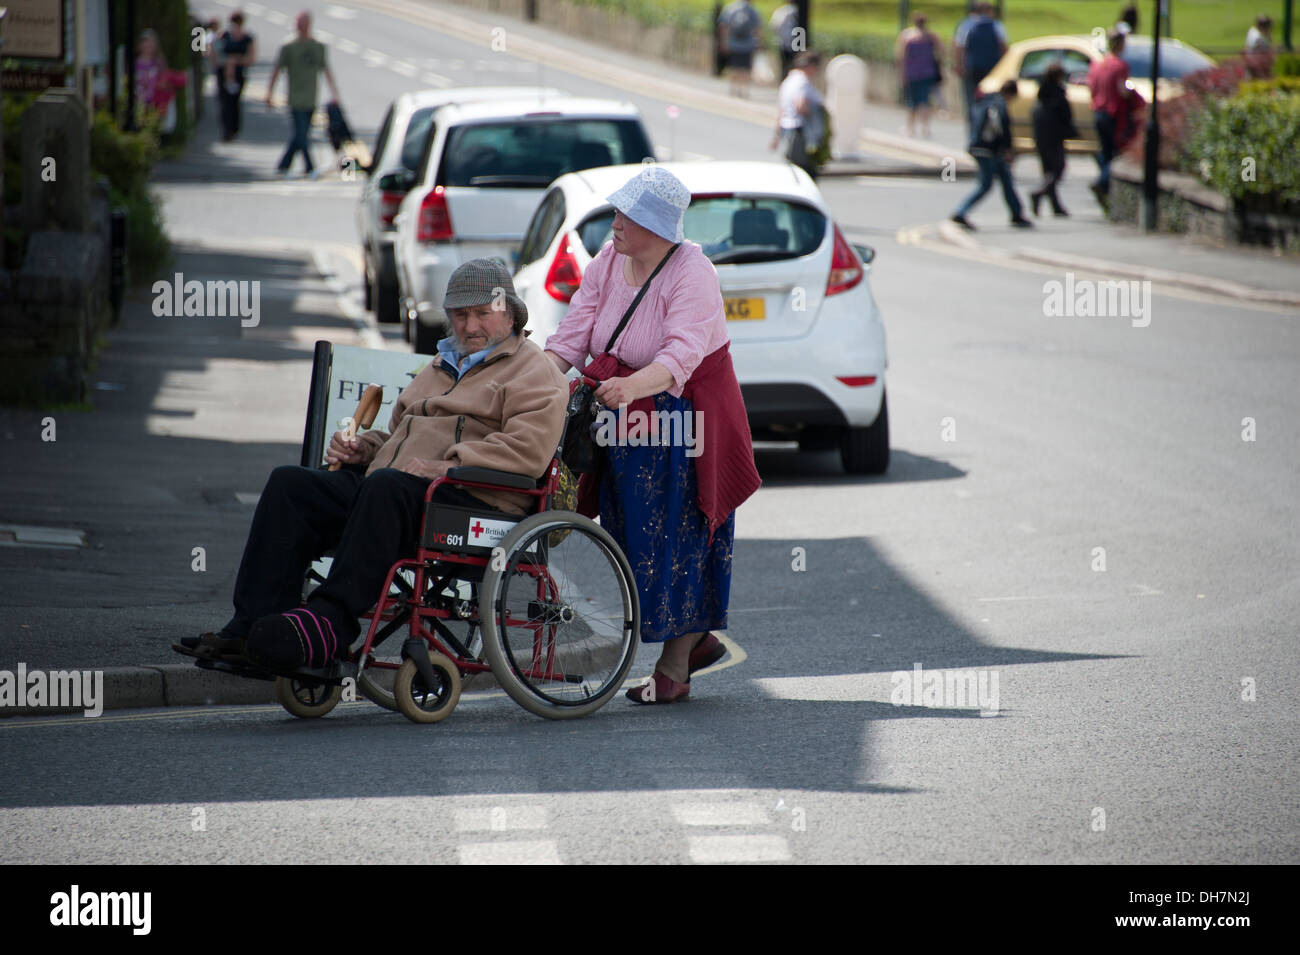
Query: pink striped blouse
pixel 680 320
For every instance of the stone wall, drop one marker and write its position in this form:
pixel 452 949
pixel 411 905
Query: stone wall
pixel 54 307
pixel 1185 205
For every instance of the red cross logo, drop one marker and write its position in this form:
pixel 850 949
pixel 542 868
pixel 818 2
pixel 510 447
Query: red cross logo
pixel 476 528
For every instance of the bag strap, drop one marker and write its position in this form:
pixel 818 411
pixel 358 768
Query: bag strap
pixel 627 316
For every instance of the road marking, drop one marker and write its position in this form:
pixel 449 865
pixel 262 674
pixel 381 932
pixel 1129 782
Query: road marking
pixel 340 13
pixel 436 79
pixel 323 35
pixel 276 17
pixel 374 57
pixel 921 236
pixel 348 46
pixel 500 818
pixel 721 814
pixel 713 849
pixel 404 68
pixel 248 497
pixel 510 853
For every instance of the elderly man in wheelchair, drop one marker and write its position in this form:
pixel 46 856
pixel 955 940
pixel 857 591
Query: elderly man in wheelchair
pixel 491 402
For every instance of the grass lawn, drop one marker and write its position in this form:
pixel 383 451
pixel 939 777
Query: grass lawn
pixel 1217 27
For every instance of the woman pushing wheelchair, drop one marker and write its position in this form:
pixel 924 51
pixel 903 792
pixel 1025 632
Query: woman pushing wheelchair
pixel 650 314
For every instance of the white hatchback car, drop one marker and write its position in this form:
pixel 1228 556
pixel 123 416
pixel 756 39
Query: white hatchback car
pixel 806 336
pixel 483 168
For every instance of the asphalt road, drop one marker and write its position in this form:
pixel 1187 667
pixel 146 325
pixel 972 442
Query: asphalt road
pixel 1022 443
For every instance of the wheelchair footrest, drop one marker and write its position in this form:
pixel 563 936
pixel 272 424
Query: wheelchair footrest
pixel 333 674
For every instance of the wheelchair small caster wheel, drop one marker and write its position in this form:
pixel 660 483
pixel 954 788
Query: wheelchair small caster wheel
pixel 306 701
pixel 424 704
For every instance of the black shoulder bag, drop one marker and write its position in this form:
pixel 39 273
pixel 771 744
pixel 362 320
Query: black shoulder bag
pixel 578 451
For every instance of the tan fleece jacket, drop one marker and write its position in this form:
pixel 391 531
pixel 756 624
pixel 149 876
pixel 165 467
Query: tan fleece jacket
pixel 506 412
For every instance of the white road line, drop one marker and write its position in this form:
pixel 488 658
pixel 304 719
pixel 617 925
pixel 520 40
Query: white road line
pixel 256 9
pixel 401 66
pixel 340 13
pixel 348 46
pixel 436 79
pixel 276 17
pixel 500 818
pixel 712 849
pixel 374 57
pixel 323 35
pixel 721 814
pixel 510 853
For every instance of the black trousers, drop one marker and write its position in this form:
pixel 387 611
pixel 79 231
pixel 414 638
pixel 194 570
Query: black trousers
pixel 371 522
pixel 1051 156
pixel 230 107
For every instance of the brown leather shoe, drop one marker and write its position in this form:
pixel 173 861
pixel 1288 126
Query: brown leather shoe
pixel 708 651
pixel 660 689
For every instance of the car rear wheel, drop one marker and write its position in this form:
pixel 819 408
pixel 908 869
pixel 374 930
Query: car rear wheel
pixel 866 450
pixel 387 306
pixel 426 337
pixel 368 302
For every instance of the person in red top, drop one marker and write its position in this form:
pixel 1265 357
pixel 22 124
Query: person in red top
pixel 1106 80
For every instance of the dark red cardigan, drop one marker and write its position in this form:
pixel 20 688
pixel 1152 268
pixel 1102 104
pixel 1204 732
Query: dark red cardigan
pixel 724 471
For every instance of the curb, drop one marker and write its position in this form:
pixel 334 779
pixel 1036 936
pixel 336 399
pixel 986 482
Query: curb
pixel 166 684
pixel 954 235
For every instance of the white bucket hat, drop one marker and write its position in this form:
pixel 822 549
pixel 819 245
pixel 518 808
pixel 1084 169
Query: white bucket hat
pixel 654 199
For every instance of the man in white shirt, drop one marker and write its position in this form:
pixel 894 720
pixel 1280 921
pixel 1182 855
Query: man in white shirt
pixel 799 121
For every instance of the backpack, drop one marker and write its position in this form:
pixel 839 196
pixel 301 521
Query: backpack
pixel 981 48
pixel 741 27
pixel 990 131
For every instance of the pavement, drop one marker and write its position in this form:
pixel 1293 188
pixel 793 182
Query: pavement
pixel 152 473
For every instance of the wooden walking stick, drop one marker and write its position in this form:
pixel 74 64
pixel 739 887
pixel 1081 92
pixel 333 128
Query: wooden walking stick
pixel 364 416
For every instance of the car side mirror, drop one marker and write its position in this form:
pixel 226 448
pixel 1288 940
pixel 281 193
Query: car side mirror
pixel 865 252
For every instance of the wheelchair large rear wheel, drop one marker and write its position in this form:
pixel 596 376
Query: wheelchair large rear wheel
pixel 560 615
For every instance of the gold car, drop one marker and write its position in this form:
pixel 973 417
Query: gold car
pixel 1027 60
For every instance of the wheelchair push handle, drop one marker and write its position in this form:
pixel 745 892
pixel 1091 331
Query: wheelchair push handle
pixel 364 416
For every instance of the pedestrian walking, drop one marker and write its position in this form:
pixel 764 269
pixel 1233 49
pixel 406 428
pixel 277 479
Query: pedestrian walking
pixel 990 144
pixel 1053 125
pixel 738 35
pixel 238 52
pixel 800 123
pixel 1111 104
pixel 303 59
pixel 917 54
pixel 784 24
pixel 671 513
pixel 978 44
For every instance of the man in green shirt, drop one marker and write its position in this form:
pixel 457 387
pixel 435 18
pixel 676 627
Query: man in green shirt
pixel 303 59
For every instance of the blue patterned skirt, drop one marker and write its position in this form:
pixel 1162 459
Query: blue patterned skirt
pixel 648 505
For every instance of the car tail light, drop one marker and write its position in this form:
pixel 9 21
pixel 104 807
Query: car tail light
pixel 856 381
pixel 388 203
pixel 435 219
pixel 846 270
pixel 564 276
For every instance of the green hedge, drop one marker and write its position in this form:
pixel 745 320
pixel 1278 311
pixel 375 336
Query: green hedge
pixel 1262 125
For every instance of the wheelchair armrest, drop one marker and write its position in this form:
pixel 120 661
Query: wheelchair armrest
pixel 507 479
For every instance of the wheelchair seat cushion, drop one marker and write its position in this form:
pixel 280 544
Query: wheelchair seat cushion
pixel 507 479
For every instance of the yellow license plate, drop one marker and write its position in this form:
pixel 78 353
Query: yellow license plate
pixel 745 309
